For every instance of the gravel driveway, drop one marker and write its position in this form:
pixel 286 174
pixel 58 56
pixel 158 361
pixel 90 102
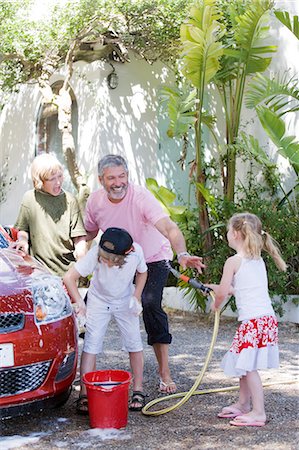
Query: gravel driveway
pixel 194 425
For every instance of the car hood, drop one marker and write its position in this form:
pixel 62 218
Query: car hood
pixel 16 275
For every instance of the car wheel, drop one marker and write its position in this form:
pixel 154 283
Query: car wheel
pixel 63 397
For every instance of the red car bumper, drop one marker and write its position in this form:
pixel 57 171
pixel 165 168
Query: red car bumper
pixel 44 365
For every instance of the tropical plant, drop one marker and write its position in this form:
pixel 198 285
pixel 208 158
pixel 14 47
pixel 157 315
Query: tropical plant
pixel 274 98
pixel 258 200
pixel 222 45
pixel 166 199
pixel 245 54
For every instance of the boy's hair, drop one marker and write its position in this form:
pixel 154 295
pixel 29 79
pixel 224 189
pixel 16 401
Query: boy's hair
pixel 42 167
pixel 111 161
pixel 117 260
pixel 115 244
pixel 255 238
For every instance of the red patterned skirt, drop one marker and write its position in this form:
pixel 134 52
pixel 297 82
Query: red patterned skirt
pixel 254 347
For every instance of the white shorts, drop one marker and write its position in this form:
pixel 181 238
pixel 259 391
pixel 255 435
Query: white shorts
pixel 98 316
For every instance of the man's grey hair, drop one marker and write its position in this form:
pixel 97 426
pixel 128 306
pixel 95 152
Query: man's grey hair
pixel 111 161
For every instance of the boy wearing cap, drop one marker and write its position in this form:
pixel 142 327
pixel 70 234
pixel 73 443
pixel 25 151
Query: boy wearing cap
pixel 114 264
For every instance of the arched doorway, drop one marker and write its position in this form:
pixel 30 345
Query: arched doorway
pixel 48 136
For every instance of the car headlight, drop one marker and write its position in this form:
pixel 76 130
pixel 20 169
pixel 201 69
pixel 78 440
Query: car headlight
pixel 51 302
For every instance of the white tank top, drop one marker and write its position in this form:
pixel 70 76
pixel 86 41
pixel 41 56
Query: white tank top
pixel 251 290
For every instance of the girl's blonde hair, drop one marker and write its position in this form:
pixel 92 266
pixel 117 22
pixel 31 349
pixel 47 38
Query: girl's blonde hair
pixel 43 167
pixel 255 238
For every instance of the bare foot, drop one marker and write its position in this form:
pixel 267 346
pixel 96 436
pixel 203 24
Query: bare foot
pixel 232 411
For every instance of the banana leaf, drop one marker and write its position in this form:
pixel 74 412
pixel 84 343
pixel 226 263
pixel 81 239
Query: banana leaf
pixel 284 18
pixel 275 127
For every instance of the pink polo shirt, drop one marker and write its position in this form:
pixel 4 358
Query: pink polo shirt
pixel 137 213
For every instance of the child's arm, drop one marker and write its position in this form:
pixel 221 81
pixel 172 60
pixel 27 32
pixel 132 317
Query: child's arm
pixel 140 280
pixel 70 280
pixel 135 303
pixel 80 247
pixel 224 289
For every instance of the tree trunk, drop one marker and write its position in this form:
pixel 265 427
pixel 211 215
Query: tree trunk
pixel 201 179
pixel 204 219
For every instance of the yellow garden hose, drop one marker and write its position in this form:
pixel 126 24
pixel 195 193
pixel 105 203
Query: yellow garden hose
pixel 186 395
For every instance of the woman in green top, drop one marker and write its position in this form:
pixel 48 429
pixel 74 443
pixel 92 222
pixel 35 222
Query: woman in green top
pixel 49 219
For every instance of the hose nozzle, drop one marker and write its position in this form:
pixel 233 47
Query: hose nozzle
pixel 192 281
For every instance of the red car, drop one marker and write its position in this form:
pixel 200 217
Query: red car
pixel 38 337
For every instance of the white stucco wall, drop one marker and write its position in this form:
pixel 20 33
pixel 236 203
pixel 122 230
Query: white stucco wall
pixel 123 120
pixel 126 121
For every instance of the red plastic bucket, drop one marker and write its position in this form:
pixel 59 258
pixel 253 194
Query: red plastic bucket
pixel 108 395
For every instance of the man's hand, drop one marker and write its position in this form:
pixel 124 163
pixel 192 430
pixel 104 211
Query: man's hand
pixel 194 262
pixel 171 231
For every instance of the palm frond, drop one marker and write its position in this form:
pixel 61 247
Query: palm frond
pixel 279 94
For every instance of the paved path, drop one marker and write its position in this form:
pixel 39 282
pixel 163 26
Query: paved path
pixel 194 426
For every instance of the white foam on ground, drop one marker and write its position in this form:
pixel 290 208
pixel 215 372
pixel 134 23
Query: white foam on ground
pixel 108 433
pixel 16 441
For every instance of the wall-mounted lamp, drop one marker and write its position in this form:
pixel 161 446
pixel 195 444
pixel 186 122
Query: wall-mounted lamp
pixel 112 79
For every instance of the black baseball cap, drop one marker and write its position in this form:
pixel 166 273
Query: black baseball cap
pixel 117 241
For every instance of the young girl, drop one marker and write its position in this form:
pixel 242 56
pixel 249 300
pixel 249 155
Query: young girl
pixel 255 344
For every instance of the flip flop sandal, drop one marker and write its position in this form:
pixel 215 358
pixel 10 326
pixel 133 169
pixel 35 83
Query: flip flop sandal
pixel 163 387
pixel 137 397
pixel 82 405
pixel 247 423
pixel 230 412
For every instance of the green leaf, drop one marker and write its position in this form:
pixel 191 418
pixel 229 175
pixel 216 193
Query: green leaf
pixel 280 93
pixel 152 184
pixel 252 145
pixel 166 195
pixel 166 199
pixel 180 105
pixel 252 27
pixel 275 128
pixel 285 19
pixel 255 65
pixel 202 48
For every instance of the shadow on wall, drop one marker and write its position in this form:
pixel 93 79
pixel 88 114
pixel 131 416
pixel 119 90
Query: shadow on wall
pixel 126 120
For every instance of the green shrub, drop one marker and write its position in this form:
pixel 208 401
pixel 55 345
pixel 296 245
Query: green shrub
pixel 279 220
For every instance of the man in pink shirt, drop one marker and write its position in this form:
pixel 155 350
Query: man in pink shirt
pixel 122 204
